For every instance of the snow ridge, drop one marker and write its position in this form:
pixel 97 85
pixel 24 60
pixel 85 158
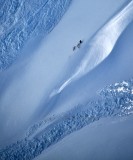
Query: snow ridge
pixel 101 45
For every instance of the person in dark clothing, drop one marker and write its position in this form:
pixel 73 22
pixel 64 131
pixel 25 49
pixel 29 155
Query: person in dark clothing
pixel 79 43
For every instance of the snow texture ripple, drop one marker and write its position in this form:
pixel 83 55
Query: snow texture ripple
pixel 21 21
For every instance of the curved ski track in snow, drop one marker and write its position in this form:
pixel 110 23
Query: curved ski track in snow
pixel 20 21
pixel 101 45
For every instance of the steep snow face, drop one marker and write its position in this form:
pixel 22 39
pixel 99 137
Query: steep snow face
pixel 117 66
pixel 101 45
pixel 25 98
pixel 26 85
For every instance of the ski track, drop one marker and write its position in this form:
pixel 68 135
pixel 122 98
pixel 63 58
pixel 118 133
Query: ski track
pixel 22 20
pixel 116 100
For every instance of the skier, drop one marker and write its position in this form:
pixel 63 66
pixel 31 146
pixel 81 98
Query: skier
pixel 78 45
pixel 80 42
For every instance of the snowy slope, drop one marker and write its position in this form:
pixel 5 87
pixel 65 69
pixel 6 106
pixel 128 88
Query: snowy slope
pixel 32 78
pixel 93 53
pixel 101 45
pixel 116 100
pixel 109 138
pixel 54 79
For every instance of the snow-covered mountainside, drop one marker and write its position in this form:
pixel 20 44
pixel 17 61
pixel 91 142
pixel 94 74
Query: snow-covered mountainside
pixel 65 65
